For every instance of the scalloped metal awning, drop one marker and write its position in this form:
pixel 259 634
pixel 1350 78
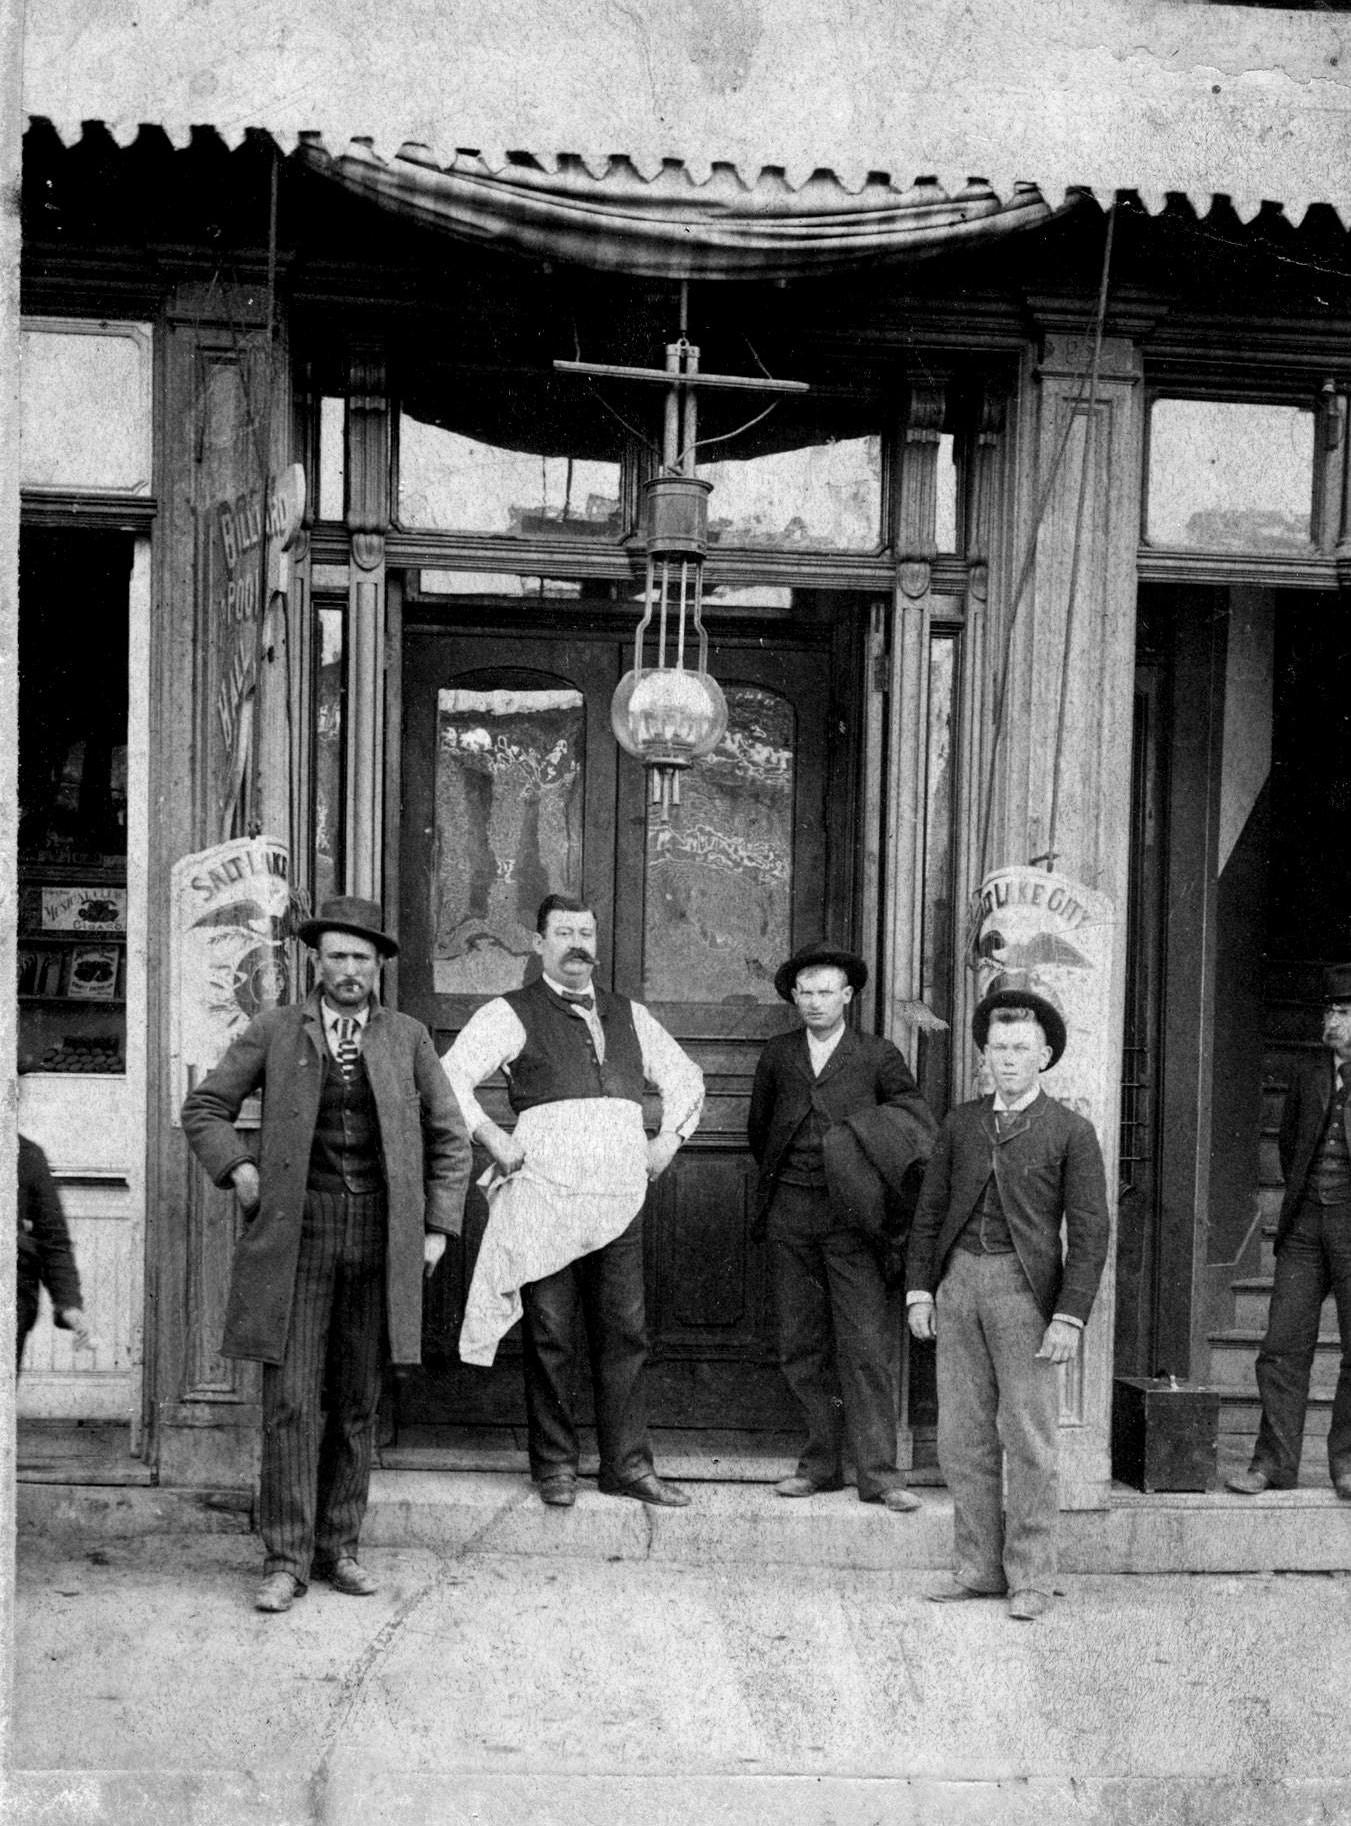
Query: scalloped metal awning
pixel 1155 97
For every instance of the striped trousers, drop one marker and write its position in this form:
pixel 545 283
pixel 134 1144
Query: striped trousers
pixel 320 1403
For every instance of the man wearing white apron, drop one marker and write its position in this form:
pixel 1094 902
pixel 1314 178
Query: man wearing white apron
pixel 564 1240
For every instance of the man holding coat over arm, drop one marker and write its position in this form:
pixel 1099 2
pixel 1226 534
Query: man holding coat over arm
pixel 360 1179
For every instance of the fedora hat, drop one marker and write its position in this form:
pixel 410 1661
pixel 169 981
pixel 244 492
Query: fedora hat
pixel 1019 989
pixel 1337 983
pixel 819 956
pixel 346 913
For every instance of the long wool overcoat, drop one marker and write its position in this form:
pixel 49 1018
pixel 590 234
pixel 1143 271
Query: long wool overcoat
pixel 423 1140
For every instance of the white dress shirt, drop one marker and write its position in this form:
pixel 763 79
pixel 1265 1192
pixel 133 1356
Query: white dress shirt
pixel 585 1173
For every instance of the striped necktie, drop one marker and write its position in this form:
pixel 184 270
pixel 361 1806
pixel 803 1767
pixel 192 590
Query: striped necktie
pixel 347 1049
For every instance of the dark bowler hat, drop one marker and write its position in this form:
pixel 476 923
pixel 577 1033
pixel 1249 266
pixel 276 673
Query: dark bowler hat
pixel 1337 983
pixel 819 956
pixel 345 913
pixel 1018 989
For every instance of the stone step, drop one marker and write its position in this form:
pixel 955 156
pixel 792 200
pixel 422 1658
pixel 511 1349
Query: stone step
pixel 1252 1298
pixel 1240 1414
pixel 1233 1358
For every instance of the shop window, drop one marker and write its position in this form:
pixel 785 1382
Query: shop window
pixel 452 483
pixel 73 719
pixel 75 376
pixel 945 506
pixel 719 887
pixel 332 494
pixel 824 497
pixel 1226 476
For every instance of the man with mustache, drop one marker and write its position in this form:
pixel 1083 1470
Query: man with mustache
pixel 1313 1258
pixel 564 1240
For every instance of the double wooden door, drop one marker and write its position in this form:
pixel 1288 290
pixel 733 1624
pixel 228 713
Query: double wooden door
pixel 514 787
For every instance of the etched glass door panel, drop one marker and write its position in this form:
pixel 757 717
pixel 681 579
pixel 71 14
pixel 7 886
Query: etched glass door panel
pixel 508 798
pixel 718 908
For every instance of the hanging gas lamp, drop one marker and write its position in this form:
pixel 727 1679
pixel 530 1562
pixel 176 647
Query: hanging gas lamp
pixel 671 712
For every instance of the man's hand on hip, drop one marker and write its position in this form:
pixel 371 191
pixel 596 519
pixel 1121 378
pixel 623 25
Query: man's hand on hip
pixel 1061 1341
pixel 661 1151
pixel 247 1187
pixel 504 1148
pixel 433 1248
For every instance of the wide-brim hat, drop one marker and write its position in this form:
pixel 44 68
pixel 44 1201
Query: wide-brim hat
pixel 1337 983
pixel 819 956
pixel 346 913
pixel 1018 989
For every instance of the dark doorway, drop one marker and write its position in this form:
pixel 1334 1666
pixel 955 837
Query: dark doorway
pixel 513 786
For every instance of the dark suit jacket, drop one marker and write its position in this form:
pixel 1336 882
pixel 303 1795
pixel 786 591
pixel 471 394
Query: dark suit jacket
pixel 1050 1168
pixel 46 1258
pixel 422 1139
pixel 862 1072
pixel 1302 1123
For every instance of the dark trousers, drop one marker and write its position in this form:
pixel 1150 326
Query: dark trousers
pixel 1314 1260
pixel 605 1290
pixel 838 1341
pixel 320 1403
pixel 26 1316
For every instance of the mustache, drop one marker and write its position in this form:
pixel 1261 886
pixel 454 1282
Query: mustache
pixel 582 956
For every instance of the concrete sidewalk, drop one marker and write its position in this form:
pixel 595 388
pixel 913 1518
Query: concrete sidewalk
pixel 491 1688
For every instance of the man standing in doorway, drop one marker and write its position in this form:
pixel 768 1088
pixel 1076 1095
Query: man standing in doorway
pixel 988 1279
pixel 836 1334
pixel 360 1178
pixel 1313 1259
pixel 565 1236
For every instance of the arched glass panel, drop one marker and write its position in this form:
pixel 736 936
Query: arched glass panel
pixel 717 918
pixel 508 826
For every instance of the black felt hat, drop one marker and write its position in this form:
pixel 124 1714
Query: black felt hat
pixel 1337 983
pixel 1019 989
pixel 819 956
pixel 346 913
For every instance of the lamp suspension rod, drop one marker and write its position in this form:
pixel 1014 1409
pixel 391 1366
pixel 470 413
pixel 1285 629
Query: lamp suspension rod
pixel 749 383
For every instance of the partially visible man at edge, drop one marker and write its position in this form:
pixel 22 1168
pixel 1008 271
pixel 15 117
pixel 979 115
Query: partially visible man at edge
pixel 359 1180
pixel 564 1239
pixel 1313 1258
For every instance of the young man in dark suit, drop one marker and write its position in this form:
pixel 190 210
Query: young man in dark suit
pixel 1313 1259
pixel 988 1279
pixel 836 1341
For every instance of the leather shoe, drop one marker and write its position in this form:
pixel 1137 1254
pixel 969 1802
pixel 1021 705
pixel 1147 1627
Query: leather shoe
pixel 798 1485
pixel 952 1591
pixel 650 1489
pixel 1027 1606
pixel 898 1499
pixel 278 1591
pixel 350 1577
pixel 559 1491
pixel 1248 1483
pixel 1342 1485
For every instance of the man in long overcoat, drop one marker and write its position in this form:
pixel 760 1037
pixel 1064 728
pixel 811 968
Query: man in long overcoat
pixel 359 1181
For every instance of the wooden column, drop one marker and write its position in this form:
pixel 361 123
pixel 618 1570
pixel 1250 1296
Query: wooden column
pixel 907 722
pixel 368 467
pixel 1071 639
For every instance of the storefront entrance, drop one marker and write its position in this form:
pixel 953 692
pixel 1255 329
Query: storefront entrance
pixel 513 787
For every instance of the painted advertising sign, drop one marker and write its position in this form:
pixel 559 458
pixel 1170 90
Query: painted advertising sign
pixel 230 951
pixel 245 536
pixel 1055 936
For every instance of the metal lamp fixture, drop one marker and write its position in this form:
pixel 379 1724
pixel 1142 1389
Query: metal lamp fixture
pixel 671 713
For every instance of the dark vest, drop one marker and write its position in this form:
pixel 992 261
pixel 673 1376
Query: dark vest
pixel 1329 1181
pixel 345 1153
pixel 558 1060
pixel 803 1162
